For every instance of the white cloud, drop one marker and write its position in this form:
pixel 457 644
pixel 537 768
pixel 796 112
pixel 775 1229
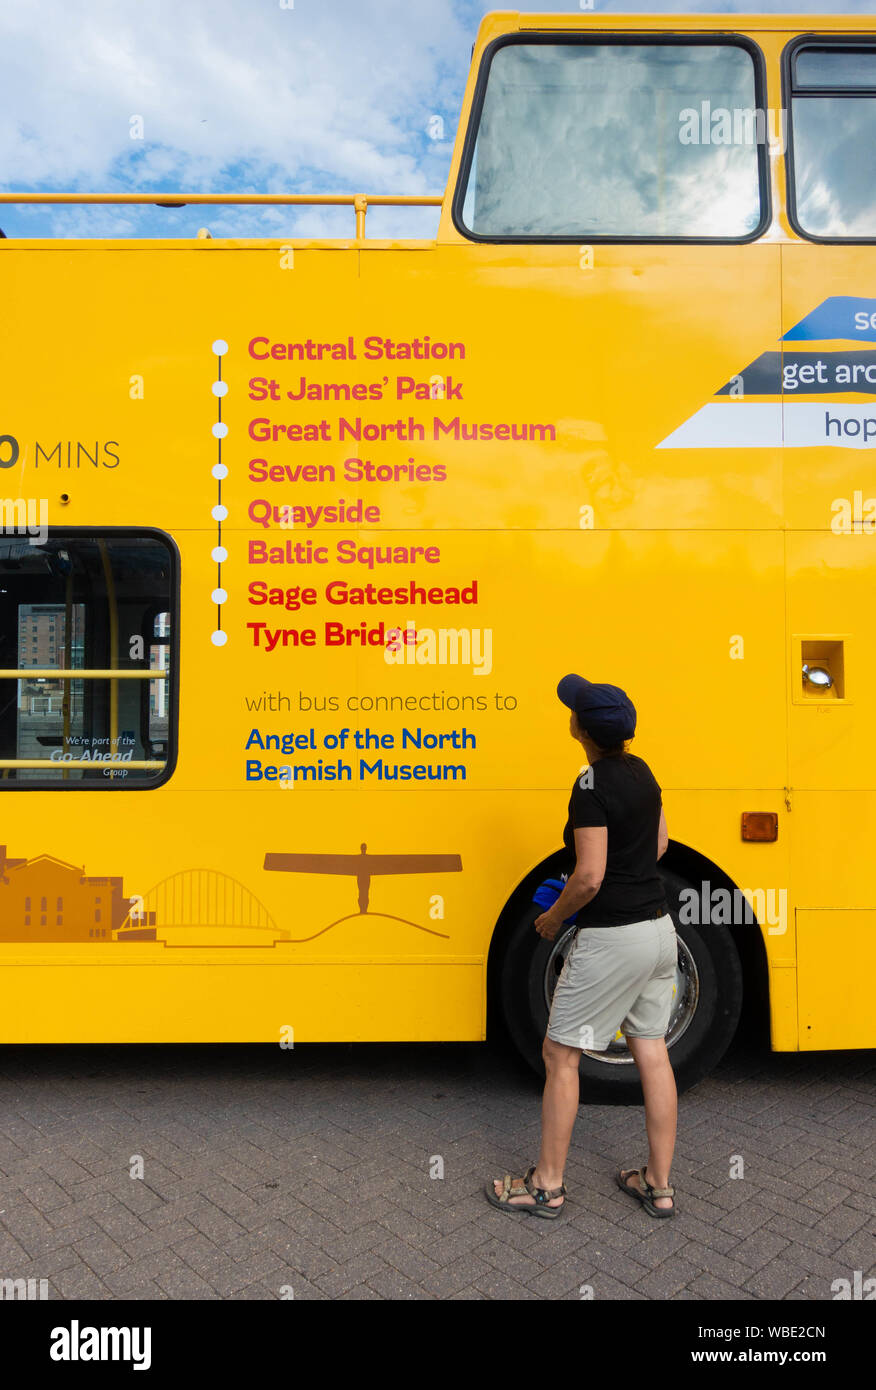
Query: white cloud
pixel 328 96
pixel 233 95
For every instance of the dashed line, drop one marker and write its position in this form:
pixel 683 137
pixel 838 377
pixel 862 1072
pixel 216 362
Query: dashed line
pixel 220 511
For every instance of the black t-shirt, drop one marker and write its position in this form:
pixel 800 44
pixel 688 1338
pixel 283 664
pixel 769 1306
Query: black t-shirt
pixel 624 796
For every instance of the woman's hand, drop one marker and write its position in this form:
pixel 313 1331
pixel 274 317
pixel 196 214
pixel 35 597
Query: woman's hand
pixel 547 925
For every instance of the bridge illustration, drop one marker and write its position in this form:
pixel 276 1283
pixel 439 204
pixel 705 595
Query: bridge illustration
pixel 197 899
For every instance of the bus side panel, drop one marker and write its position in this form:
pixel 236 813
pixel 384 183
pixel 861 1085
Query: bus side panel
pixel 235 1001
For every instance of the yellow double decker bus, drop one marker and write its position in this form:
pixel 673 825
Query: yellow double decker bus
pixel 300 534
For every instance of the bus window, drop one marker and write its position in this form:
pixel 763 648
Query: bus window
pixel 832 159
pixel 633 141
pixel 98 605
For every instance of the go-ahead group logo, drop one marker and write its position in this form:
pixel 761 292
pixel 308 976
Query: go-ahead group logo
pixel 736 419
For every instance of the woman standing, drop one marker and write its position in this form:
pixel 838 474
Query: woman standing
pixel 620 971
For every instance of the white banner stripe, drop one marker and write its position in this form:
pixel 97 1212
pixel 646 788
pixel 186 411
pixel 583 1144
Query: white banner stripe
pixel 752 425
pixel 736 425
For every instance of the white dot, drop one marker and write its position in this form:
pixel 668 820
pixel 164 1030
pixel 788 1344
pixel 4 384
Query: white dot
pixel 219 513
pixel 219 639
pixel 219 470
pixel 220 347
pixel 219 595
pixel 220 554
pixel 220 388
pixel 220 431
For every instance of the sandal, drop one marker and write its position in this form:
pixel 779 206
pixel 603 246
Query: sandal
pixel 645 1193
pixel 541 1195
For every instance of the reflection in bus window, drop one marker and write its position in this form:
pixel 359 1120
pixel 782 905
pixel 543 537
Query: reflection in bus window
pixel 159 690
pixel 833 123
pixel 95 605
pixel 836 67
pixel 592 139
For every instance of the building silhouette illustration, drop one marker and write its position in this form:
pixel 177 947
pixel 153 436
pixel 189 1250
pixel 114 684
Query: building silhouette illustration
pixel 46 899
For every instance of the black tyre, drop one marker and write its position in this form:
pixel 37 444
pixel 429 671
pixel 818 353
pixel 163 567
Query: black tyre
pixel 705 1012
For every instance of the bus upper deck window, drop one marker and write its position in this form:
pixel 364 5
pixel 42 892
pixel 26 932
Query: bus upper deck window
pixel 832 155
pixel 634 141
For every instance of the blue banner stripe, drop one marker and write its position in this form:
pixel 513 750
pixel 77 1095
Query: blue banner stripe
pixel 841 316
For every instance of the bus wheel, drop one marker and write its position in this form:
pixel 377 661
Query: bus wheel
pixel 705 1012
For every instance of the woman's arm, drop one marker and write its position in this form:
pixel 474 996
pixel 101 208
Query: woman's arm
pixel 591 849
pixel 662 835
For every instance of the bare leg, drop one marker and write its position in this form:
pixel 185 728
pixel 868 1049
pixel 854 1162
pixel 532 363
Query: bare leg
pixel 559 1108
pixel 661 1110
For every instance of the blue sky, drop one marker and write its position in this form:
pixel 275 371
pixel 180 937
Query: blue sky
pixel 248 95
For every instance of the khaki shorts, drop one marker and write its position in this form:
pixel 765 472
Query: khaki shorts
pixel 616 977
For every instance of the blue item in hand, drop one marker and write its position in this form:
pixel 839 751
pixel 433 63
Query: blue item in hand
pixel 546 895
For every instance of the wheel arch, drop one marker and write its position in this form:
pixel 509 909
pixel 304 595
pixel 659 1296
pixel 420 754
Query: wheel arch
pixel 689 864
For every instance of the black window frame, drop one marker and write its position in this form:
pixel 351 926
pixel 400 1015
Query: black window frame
pixel 559 37
pixel 790 92
pixel 112 784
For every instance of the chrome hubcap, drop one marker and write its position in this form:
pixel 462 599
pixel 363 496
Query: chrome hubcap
pixel 684 1002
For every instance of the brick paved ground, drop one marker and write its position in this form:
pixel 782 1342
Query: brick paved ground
pixel 312 1169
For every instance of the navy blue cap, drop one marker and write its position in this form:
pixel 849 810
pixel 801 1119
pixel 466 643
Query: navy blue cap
pixel 605 711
